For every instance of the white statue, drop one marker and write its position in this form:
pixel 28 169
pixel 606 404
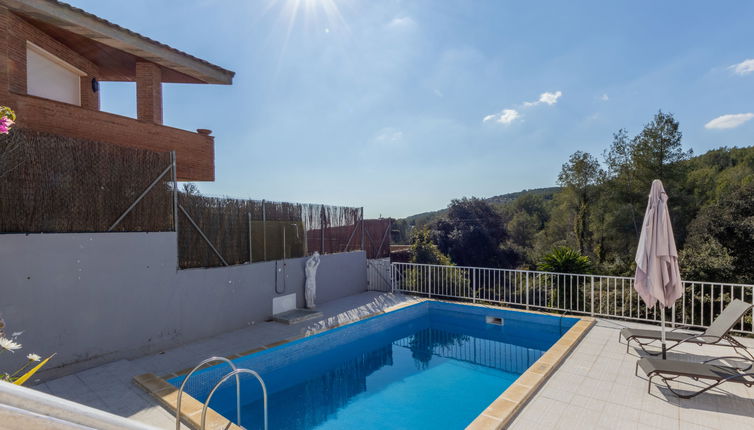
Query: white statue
pixel 310 290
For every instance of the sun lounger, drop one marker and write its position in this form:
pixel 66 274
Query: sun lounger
pixel 716 334
pixel 712 375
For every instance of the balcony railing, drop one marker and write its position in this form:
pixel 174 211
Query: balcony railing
pixel 595 295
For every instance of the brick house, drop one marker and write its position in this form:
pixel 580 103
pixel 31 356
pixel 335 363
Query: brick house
pixel 52 58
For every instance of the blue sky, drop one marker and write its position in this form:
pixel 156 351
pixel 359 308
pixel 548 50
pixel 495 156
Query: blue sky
pixel 400 106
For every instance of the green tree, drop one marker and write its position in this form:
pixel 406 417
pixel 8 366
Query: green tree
pixel 578 177
pixel 704 258
pixel 526 216
pixel 658 154
pixel 424 251
pixel 657 151
pixel 620 184
pixel 472 233
pixel 719 246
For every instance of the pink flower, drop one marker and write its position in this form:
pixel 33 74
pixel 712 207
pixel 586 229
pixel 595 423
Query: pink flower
pixel 5 124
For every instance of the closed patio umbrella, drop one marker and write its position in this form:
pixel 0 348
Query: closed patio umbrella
pixel 658 278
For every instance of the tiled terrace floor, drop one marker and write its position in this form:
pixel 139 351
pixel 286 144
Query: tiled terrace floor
pixel 594 388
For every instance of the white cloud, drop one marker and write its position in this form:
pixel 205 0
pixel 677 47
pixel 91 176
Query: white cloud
pixel 729 121
pixel 546 98
pixel 743 68
pixel 604 97
pixel 402 22
pixel 550 98
pixel 388 136
pixel 506 116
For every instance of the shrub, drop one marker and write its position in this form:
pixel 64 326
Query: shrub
pixel 563 259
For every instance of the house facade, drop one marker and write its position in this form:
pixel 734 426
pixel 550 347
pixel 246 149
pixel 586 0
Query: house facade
pixel 53 57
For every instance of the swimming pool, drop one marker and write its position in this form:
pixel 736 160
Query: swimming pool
pixel 430 365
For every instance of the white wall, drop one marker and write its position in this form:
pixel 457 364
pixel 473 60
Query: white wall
pixel 98 297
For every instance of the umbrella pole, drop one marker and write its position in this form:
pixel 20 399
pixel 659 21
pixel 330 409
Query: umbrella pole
pixel 662 314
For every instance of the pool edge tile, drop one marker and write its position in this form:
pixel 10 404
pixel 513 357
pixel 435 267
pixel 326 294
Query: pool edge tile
pixel 167 395
pixel 501 412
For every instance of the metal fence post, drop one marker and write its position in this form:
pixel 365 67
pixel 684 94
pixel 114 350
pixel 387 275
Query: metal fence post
pixel 175 192
pixel 672 316
pixel 175 208
pixel 527 291
pixel 473 285
pixel 392 277
pixel 429 281
pixel 363 231
pixel 592 299
pixel 264 231
pixel 322 228
pixel 250 253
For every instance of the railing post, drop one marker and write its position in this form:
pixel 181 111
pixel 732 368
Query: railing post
pixel 527 290
pixel 473 285
pixel 392 277
pixel 429 281
pixel 672 316
pixel 591 309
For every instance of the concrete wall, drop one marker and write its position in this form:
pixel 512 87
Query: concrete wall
pixel 99 297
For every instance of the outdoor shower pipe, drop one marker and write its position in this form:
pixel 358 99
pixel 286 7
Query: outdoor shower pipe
pixel 222 381
pixel 183 384
pixel 284 264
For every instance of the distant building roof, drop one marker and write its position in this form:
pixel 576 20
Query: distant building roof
pixel 113 48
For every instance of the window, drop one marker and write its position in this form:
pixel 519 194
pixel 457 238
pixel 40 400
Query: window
pixel 50 77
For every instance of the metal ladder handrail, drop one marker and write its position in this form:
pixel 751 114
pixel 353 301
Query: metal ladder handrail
pixel 225 378
pixel 183 385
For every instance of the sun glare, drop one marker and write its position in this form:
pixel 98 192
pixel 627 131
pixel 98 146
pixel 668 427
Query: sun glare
pixel 314 15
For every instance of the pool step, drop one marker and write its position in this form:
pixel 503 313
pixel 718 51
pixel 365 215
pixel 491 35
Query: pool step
pixel 296 316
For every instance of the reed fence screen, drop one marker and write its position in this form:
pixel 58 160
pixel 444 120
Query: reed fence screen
pixel 217 231
pixel 373 236
pixel 56 184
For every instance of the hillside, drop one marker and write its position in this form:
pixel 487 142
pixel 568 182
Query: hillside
pixel 426 217
pixel 403 225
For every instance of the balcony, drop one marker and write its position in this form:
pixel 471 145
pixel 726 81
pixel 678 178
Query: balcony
pixel 194 151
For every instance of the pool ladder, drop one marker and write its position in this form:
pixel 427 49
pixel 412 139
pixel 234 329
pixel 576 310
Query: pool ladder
pixel 235 372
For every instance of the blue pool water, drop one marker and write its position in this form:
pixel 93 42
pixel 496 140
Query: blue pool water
pixel 431 365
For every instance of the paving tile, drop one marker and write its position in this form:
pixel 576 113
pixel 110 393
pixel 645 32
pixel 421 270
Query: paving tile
pixel 588 403
pixel 600 370
pixel 549 414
